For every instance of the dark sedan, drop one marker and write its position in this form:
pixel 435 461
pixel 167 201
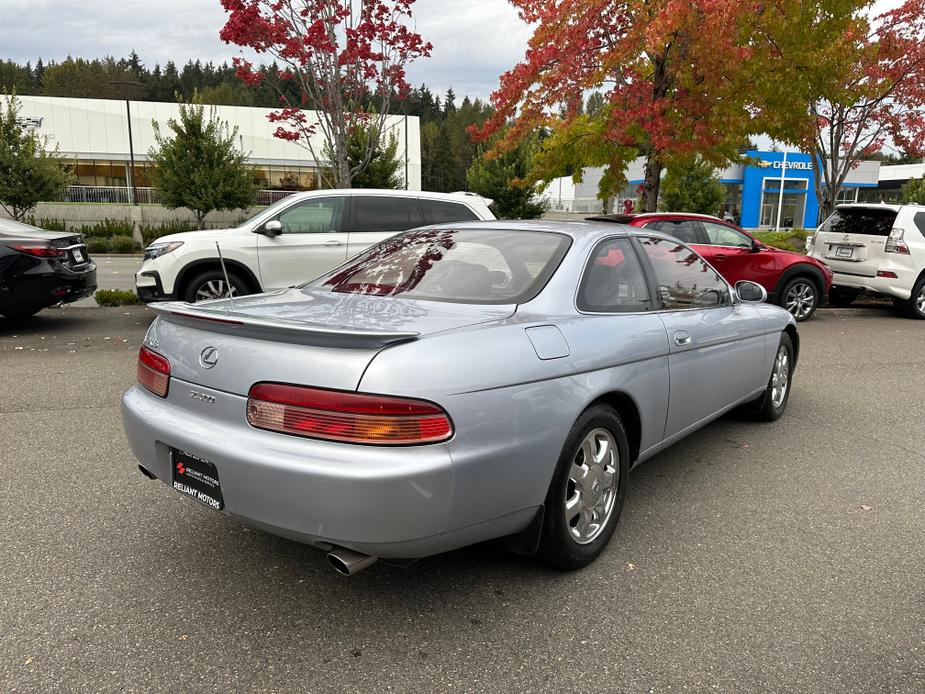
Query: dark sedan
pixel 41 268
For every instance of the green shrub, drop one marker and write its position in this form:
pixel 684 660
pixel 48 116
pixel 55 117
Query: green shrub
pixel 95 244
pixel 116 297
pixel 152 232
pixel 789 240
pixel 121 244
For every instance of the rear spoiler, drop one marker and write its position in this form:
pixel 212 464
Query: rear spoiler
pixel 279 329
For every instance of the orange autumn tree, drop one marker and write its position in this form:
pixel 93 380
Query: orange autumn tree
pixel 674 75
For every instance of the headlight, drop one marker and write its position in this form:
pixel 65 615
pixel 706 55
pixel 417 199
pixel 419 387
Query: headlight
pixel 156 250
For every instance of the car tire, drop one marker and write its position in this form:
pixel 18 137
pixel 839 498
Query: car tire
pixel 770 406
pixel 800 297
pixel 210 284
pixel 581 514
pixel 842 297
pixel 916 305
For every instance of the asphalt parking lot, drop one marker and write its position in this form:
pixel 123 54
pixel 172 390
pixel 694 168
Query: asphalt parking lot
pixel 783 557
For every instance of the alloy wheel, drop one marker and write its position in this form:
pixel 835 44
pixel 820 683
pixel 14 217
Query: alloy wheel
pixel 801 300
pixel 920 301
pixel 592 485
pixel 215 289
pixel 780 377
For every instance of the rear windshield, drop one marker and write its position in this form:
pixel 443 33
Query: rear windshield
pixel 860 220
pixel 485 266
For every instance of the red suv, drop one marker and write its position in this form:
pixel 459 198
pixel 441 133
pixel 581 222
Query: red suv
pixel 797 282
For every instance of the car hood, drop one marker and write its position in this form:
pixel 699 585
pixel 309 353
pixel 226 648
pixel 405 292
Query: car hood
pixel 308 306
pixel 190 236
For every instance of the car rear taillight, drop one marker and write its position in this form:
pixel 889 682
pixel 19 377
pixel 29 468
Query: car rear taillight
pixel 153 371
pixel 895 243
pixel 887 274
pixel 346 416
pixel 38 249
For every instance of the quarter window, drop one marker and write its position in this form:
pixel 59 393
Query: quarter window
pixel 385 213
pixel 682 229
pixel 441 212
pixel 684 279
pixel 314 216
pixel 613 282
pixel 721 235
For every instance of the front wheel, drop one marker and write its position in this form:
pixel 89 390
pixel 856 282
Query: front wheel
pixel 586 495
pixel 212 284
pixel 801 298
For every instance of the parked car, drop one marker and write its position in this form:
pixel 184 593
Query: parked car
pixel 877 247
pixel 454 384
pixel 795 281
pixel 41 268
pixel 294 240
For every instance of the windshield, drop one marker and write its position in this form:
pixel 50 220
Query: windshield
pixel 484 266
pixel 9 226
pixel 271 210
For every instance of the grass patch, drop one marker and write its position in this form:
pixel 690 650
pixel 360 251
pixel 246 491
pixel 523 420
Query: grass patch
pixel 789 240
pixel 117 297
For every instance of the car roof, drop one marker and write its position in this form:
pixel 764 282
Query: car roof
pixel 627 218
pixel 399 192
pixel 574 228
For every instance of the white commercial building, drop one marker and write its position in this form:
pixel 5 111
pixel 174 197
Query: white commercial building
pixel 94 133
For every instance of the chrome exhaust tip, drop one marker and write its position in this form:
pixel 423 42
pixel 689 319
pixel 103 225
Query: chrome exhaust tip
pixel 347 562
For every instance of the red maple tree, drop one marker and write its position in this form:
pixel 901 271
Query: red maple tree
pixel 673 75
pixel 348 59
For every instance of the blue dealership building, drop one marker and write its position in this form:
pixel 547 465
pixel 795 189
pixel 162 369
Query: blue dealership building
pixel 754 189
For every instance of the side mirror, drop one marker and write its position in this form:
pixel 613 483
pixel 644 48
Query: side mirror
pixel 756 247
pixel 751 292
pixel 272 228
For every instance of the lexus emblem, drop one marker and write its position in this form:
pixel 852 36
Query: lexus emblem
pixel 208 357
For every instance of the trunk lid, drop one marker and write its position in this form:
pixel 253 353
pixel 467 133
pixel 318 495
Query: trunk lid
pixel 299 336
pixel 852 240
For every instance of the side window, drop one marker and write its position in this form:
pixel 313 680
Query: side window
pixel 919 221
pixel 440 212
pixel 682 229
pixel 385 213
pixel 613 282
pixel 317 215
pixel 721 235
pixel 684 279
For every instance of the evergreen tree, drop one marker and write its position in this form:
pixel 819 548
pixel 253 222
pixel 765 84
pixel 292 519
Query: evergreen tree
pixel 692 187
pixel 501 179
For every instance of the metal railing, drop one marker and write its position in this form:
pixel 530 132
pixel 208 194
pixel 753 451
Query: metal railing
pixel 121 195
pixel 578 205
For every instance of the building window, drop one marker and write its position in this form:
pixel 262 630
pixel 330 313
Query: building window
pixel 732 203
pixel 846 195
pixel 793 207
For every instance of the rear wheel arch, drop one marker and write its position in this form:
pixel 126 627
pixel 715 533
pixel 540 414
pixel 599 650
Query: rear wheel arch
pixel 626 408
pixel 192 269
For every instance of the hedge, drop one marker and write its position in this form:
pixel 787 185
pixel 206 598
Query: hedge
pixel 789 240
pixel 116 297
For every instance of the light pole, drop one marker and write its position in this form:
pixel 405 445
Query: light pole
pixel 780 200
pixel 131 147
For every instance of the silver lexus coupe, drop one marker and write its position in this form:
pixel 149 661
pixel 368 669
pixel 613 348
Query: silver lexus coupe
pixel 454 384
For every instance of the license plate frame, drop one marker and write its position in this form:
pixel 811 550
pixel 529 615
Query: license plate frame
pixel 844 252
pixel 78 255
pixel 196 478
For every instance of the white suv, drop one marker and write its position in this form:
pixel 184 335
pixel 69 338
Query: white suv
pixel 877 247
pixel 297 239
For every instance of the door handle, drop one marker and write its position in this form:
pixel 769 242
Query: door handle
pixel 333 243
pixel 682 338
pixel 720 256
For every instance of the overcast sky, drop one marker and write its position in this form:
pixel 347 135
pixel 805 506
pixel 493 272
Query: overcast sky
pixel 474 40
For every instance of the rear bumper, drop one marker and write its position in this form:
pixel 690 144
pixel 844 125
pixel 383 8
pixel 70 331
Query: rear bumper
pixel 899 287
pixel 387 502
pixel 46 285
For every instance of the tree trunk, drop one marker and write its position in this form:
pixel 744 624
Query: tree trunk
pixel 651 183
